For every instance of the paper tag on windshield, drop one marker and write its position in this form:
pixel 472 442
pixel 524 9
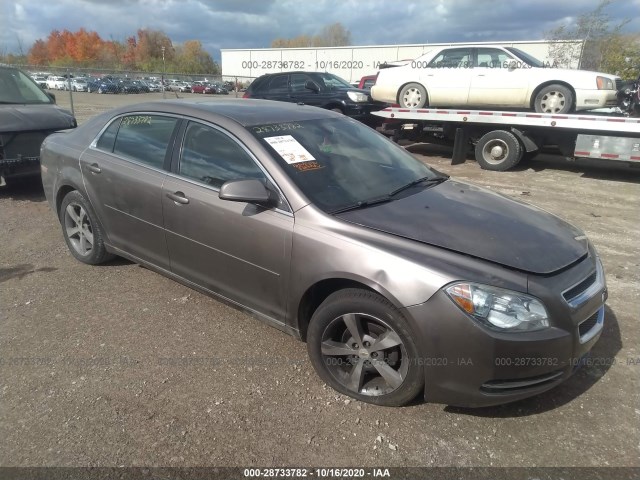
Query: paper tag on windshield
pixel 289 149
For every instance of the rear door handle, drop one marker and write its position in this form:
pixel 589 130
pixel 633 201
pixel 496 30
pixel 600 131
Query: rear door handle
pixel 178 197
pixel 94 168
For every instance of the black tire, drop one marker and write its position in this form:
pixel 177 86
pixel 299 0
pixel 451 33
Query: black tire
pixel 89 89
pixel 498 150
pixel 76 210
pixel 412 95
pixel 100 90
pixel 554 99
pixel 357 373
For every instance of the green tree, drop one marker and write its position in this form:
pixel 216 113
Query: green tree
pixel 604 48
pixel 191 58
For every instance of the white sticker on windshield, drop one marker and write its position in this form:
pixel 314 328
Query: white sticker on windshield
pixel 289 149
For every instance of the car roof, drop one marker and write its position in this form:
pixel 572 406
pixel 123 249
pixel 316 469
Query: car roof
pixel 245 112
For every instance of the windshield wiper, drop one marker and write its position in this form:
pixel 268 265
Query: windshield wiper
pixel 363 204
pixel 431 180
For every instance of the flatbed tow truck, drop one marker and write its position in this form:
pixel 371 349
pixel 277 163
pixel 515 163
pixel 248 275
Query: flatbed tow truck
pixel 501 139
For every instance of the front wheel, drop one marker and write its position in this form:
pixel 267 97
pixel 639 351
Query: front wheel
pixel 554 99
pixel 362 346
pixel 498 150
pixel 412 95
pixel 82 231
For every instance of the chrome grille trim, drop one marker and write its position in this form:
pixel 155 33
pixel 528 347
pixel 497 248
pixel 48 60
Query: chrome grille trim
pixel 576 299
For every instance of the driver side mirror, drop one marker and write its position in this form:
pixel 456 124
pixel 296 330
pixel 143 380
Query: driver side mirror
pixel 313 86
pixel 248 191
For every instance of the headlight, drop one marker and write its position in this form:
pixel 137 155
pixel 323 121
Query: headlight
pixel 604 83
pixel 500 309
pixel 358 97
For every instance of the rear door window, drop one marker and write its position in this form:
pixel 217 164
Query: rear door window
pixel 144 138
pixel 279 84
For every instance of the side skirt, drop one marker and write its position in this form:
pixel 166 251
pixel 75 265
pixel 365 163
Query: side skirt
pixel 294 332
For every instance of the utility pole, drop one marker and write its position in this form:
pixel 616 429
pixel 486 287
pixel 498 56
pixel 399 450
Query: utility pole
pixel 164 95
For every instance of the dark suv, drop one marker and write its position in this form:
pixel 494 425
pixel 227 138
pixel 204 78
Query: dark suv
pixel 320 89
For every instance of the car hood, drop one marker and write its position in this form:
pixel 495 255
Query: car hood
pixel 477 222
pixel 28 117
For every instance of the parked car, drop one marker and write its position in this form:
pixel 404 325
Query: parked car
pixel 219 88
pixel 27 115
pixel 103 85
pixel 202 87
pixel 40 80
pixel 152 85
pixel 319 89
pixel 401 280
pixel 184 87
pixel 172 85
pixel 55 82
pixel 132 86
pixel 78 84
pixel 492 77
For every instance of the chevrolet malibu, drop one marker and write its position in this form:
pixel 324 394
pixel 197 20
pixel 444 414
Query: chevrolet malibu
pixel 401 280
pixel 492 76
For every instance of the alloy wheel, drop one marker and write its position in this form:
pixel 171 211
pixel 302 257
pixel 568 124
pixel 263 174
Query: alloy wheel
pixel 364 354
pixel 78 229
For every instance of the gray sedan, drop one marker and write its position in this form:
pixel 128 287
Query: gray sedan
pixel 401 280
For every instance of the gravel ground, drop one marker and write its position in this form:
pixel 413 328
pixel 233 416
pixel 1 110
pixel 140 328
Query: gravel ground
pixel 117 365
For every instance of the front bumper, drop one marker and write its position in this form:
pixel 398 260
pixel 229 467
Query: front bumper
pixel 592 99
pixel 468 365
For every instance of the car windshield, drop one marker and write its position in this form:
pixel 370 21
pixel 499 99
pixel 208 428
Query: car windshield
pixel 529 59
pixel 332 81
pixel 17 87
pixel 339 162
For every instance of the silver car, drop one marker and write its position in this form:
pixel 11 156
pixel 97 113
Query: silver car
pixel 401 280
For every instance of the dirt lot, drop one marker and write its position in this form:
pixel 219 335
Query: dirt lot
pixel 116 365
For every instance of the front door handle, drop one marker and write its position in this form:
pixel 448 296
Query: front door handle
pixel 94 168
pixel 178 197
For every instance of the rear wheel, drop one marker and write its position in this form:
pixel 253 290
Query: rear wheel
pixel 82 231
pixel 412 95
pixel 362 346
pixel 498 150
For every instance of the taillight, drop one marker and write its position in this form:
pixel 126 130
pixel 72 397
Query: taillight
pixel 246 94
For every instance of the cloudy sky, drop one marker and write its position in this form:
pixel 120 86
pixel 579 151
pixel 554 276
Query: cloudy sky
pixel 255 23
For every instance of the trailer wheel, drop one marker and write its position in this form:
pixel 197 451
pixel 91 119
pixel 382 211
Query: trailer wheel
pixel 498 150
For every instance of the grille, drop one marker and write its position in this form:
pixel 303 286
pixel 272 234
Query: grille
pixel 588 324
pixel 576 290
pixel 618 83
pixel 589 327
